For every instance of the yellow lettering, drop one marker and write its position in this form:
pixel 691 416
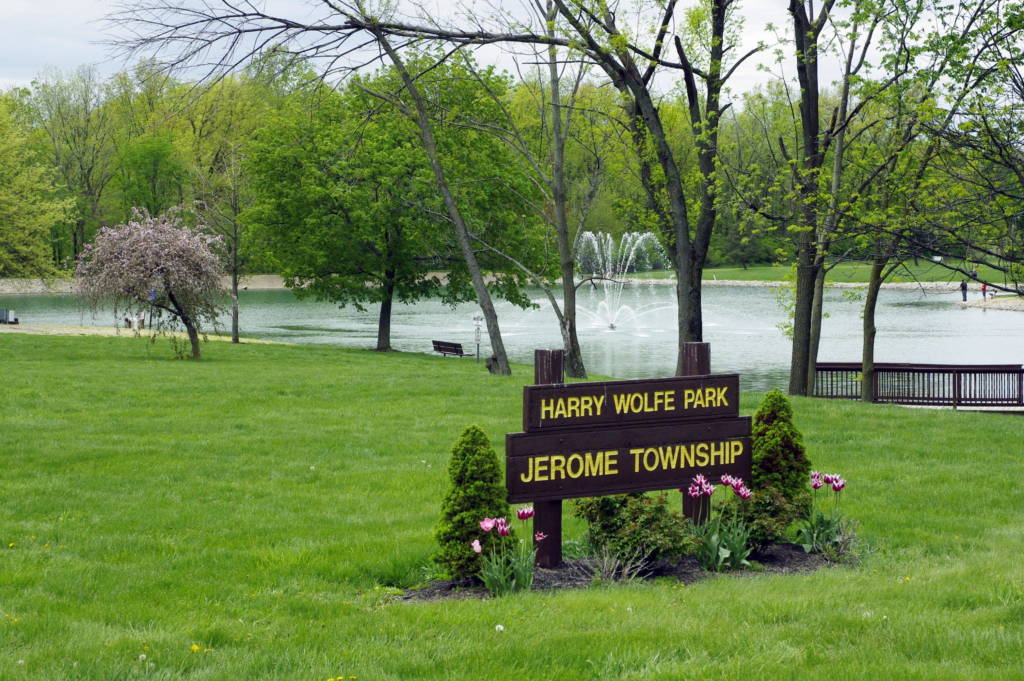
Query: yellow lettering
pixel 621 403
pixel 686 456
pixel 528 476
pixel 586 403
pixel 559 410
pixel 573 406
pixel 592 464
pixel 687 398
pixel 574 459
pixel 636 452
pixel 720 451
pixel 670 400
pixel 611 461
pixel 540 468
pixel 636 403
pixel 702 453
pixel 736 448
pixel 669 456
pixel 598 404
pixel 557 467
pixel 547 409
pixel 651 458
pixel 722 401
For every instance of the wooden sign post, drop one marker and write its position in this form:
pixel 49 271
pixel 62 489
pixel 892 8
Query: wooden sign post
pixel 615 437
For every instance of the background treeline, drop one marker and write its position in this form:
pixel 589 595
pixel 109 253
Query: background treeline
pixel 81 151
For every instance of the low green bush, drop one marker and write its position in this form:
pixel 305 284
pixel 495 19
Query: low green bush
pixel 635 526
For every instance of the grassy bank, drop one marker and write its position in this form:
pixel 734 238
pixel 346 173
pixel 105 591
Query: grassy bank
pixel 856 273
pixel 245 517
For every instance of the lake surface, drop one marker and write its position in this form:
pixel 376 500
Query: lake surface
pixel 741 323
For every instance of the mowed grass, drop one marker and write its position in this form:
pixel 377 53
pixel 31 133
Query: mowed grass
pixel 243 517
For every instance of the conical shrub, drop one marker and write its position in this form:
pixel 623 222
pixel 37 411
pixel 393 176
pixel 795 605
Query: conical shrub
pixel 476 492
pixel 779 475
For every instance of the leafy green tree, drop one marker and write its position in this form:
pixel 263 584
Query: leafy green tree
pixel 30 205
pixel 74 113
pixel 477 492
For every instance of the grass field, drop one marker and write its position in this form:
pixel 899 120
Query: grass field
pixel 843 273
pixel 250 515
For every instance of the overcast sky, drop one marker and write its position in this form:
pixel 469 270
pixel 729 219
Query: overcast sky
pixel 64 34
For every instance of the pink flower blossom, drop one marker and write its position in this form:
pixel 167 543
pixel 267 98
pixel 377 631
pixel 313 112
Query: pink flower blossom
pixel 736 483
pixel 487 524
pixel 524 513
pixel 539 536
pixel 827 478
pixel 693 490
pixel 838 483
pixel 502 526
pixel 476 546
pixel 816 483
pixel 727 480
pixel 742 492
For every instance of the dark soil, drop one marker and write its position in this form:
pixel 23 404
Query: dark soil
pixel 578 573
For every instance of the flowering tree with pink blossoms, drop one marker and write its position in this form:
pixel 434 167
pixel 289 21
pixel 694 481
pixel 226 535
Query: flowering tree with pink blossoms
pixel 157 264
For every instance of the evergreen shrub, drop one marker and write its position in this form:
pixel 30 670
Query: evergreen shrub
pixel 780 495
pixel 477 492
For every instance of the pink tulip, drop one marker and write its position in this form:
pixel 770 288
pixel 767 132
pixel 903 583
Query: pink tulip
pixel 727 480
pixel 838 483
pixel 693 491
pixel 828 478
pixel 539 536
pixel 524 513
pixel 487 524
pixel 816 483
pixel 736 483
pixel 476 546
pixel 742 492
pixel 502 526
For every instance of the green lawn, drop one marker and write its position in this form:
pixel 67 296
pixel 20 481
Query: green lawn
pixel 852 272
pixel 244 517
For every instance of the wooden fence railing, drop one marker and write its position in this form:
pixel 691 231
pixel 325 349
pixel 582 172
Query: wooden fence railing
pixel 977 385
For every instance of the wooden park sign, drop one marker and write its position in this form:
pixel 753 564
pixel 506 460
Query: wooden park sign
pixel 592 439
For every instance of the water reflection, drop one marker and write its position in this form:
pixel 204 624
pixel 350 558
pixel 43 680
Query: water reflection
pixel 741 323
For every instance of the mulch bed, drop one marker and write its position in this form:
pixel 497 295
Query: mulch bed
pixel 577 574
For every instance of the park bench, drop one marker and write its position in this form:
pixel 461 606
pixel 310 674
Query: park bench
pixel 446 348
pixel 7 317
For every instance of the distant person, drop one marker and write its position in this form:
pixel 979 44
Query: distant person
pixel 974 274
pixel 963 289
pixel 140 321
pixel 127 323
pixel 984 290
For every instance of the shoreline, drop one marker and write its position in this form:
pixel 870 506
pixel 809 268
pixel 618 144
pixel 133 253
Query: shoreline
pixel 273 282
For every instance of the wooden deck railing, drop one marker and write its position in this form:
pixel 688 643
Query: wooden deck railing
pixel 977 385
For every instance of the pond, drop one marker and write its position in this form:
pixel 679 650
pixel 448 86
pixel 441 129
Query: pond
pixel 741 323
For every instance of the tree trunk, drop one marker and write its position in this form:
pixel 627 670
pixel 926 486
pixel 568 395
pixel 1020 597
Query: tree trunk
pixel 567 262
pixel 867 384
pixel 234 305
pixel 804 299
pixel 384 320
pixel 806 41
pixel 193 336
pixel 815 332
pixel 429 143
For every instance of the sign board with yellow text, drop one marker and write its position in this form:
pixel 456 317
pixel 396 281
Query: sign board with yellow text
pixel 592 439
